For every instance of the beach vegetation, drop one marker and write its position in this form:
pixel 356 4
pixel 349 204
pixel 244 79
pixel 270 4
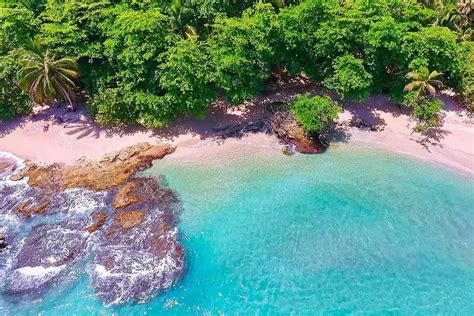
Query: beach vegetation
pixel 315 114
pixel 350 79
pixel 425 108
pixel 151 62
pixel 423 81
pixel 427 113
pixel 44 76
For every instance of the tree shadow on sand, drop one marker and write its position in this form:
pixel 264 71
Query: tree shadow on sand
pixel 433 137
pixel 340 133
pixel 368 111
pixel 82 130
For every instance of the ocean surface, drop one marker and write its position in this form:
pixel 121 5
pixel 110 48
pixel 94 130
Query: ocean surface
pixel 352 230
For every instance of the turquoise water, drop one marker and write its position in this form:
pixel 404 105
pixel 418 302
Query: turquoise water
pixel 350 230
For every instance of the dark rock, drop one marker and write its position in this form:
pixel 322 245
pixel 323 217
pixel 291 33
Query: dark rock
pixel 140 255
pixel 284 126
pixel 58 119
pixel 47 252
pixel 3 243
pixel 363 125
pixel 239 130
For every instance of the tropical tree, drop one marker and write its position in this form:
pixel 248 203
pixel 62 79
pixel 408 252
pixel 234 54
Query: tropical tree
pixel 466 7
pixel 426 111
pixel 45 77
pixel 181 16
pixel 315 114
pixel 423 81
pixel 455 14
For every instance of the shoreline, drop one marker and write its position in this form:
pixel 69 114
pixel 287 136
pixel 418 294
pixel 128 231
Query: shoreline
pixel 77 136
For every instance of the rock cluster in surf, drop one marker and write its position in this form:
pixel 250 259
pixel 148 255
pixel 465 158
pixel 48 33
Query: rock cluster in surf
pixel 94 214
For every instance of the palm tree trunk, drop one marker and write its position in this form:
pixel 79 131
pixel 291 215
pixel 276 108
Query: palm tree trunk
pixel 65 93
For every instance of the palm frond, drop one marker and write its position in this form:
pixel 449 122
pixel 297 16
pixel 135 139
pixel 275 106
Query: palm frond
pixel 434 74
pixel 412 75
pixel 412 86
pixel 430 89
pixel 44 76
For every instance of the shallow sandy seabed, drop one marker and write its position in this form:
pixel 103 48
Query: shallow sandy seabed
pixel 451 146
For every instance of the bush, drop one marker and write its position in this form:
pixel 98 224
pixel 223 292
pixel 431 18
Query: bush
pixel 427 114
pixel 16 28
pixel 242 53
pixel 315 114
pixel 350 79
pixel 13 101
pixel 435 48
pixel 467 87
pixel 116 106
pixel 184 76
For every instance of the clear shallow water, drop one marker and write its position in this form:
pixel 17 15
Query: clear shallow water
pixel 340 232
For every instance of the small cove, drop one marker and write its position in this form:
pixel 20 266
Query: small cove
pixel 351 230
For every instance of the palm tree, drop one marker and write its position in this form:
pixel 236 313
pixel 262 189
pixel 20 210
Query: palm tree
pixel 446 14
pixel 181 15
pixel 466 7
pixel 278 4
pixel 45 77
pixel 423 81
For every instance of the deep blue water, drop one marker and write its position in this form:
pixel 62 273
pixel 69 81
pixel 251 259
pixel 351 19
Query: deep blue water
pixel 350 230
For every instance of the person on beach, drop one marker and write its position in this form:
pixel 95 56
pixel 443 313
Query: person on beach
pixel 46 127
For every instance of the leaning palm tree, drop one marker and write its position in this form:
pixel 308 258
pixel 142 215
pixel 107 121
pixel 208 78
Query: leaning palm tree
pixel 423 81
pixel 45 77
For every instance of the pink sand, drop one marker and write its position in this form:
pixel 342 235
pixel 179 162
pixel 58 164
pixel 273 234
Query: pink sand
pixel 66 142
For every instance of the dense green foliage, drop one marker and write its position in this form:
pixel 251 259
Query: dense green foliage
pixel 315 114
pixel 350 79
pixel 149 62
pixel 420 97
pixel 427 113
pixel 44 77
pixel 16 28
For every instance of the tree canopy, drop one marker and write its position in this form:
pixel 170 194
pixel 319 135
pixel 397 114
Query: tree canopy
pixel 149 62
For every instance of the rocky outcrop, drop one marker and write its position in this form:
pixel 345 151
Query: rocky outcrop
pixel 99 210
pixel 123 198
pixel 109 172
pixel 284 126
pixel 98 220
pixel 139 255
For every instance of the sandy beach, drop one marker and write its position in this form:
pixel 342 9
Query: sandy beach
pixel 76 135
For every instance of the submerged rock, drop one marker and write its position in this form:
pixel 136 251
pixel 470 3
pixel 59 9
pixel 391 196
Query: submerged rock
pixel 47 251
pixel 7 165
pixel 32 206
pixel 139 255
pixel 3 243
pixel 123 198
pixel 98 220
pixel 93 209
